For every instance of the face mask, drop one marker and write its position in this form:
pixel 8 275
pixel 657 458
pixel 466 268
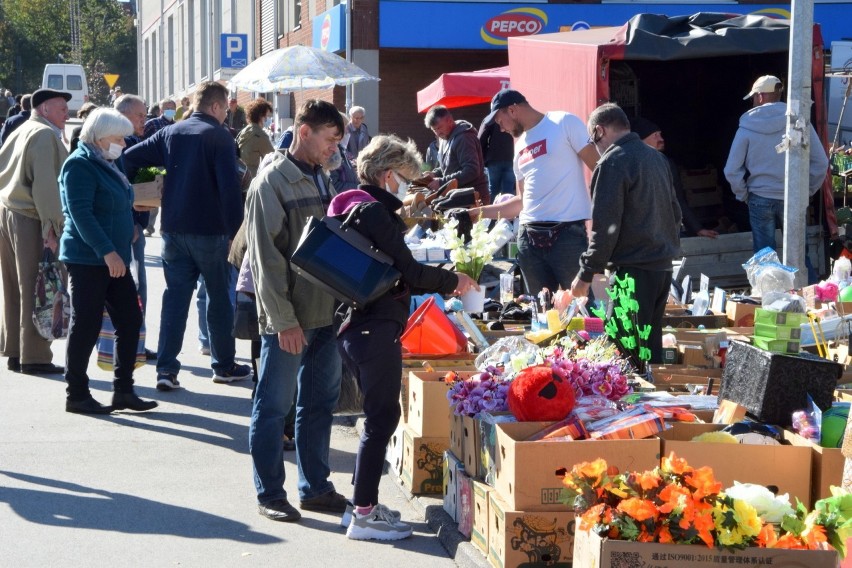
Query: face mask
pixel 169 114
pixel 345 140
pixel 267 122
pixel 334 162
pixel 113 152
pixel 402 186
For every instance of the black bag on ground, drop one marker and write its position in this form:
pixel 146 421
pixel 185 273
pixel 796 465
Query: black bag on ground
pixel 343 262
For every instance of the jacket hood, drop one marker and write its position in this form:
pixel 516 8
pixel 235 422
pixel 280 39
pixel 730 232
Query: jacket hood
pixel 461 127
pixel 765 119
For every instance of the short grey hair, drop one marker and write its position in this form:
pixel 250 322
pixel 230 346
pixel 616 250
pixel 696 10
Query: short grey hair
pixel 355 109
pixel 435 114
pixel 103 122
pixel 123 103
pixel 609 115
pixel 166 101
pixel 388 152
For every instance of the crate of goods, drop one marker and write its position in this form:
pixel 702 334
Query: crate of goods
pixel 771 386
pixel 479 530
pixel 771 331
pixel 430 366
pixel 771 317
pixel 429 412
pixel 791 346
pixel 149 194
pixel 423 463
pixel 524 538
pixel 826 466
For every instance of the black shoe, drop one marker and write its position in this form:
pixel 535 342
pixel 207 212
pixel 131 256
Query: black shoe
pixel 129 400
pixel 14 364
pixel 280 510
pixel 150 355
pixel 86 406
pixel 42 369
pixel 289 445
pixel 331 502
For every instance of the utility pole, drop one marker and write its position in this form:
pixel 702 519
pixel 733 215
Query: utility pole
pixel 76 46
pixel 797 138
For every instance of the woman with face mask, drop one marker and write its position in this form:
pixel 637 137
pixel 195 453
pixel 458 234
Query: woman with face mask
pixel 369 338
pixel 97 202
pixel 253 141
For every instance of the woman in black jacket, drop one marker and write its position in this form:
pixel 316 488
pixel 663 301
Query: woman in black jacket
pixel 369 338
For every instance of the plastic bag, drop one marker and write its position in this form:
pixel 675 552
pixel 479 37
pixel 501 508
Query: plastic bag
pixel 762 256
pixel 784 302
pixel 511 353
pixel 52 304
pixel 773 277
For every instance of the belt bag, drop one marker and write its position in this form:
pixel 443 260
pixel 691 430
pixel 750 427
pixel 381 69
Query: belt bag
pixel 543 235
pixel 343 262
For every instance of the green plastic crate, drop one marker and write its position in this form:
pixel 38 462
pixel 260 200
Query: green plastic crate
pixel 789 319
pixel 768 331
pixel 776 345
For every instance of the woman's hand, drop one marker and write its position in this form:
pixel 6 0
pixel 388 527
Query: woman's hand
pixel 466 283
pixel 116 265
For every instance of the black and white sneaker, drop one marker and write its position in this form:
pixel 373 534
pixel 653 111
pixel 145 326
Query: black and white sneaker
pixel 236 373
pixel 167 382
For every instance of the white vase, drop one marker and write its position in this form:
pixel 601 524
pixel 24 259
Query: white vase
pixel 473 300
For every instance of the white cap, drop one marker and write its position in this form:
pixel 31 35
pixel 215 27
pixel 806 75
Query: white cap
pixel 765 84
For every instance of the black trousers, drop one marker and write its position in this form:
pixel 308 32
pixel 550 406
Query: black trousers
pixel 374 355
pixel 91 289
pixel 652 291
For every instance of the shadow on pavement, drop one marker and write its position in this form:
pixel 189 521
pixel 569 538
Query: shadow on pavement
pixel 90 508
pixel 221 433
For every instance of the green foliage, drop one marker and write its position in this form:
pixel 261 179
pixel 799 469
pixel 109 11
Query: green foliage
pixel 148 174
pixel 36 32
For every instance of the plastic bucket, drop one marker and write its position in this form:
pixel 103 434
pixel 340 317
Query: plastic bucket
pixel 430 332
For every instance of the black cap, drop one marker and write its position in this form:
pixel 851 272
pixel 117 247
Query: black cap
pixel 503 99
pixel 643 127
pixel 46 94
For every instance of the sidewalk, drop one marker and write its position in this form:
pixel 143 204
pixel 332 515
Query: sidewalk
pixel 170 487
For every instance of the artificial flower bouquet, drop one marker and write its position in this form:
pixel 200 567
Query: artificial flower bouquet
pixel 678 504
pixel 471 257
pixel 596 370
pixel 483 392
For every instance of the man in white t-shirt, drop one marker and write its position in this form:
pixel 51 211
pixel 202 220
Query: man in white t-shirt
pixel 552 199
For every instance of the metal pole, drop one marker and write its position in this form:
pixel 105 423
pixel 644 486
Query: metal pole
pixel 349 88
pixel 797 139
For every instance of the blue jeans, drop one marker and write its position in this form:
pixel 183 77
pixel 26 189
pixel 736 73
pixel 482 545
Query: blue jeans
pixel 138 251
pixel 185 258
pixel 765 215
pixel 317 372
pixel 201 306
pixel 501 178
pixel 555 266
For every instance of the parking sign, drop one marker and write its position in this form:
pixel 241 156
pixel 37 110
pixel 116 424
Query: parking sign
pixel 234 50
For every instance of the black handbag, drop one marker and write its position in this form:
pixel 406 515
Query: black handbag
pixel 343 262
pixel 245 318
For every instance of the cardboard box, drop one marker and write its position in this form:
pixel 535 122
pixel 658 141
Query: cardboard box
pixel 479 532
pixel 773 385
pixel 701 187
pixel 393 454
pixel 679 318
pixel 784 467
pixel 740 315
pixel 826 466
pixel 464 500
pixel 590 550
pixel 149 194
pixel 526 472
pixel 693 355
pixel 470 444
pixel 429 411
pixel 452 467
pixel 456 436
pixel 423 463
pixel 518 538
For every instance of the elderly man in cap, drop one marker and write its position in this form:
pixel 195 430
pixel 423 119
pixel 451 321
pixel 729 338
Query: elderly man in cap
pixel 235 119
pixel 755 169
pixel 552 200
pixel 30 220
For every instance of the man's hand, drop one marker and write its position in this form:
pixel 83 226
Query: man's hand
pixel 292 340
pixel 709 233
pixel 116 265
pixel 580 289
pixel 466 283
pixel 51 242
pixel 434 184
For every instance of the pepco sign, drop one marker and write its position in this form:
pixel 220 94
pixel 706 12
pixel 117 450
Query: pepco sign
pixel 516 22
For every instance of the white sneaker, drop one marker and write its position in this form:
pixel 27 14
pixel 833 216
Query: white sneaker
pixel 379 524
pixel 204 350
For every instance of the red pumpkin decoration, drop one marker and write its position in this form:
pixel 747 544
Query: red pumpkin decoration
pixel 540 393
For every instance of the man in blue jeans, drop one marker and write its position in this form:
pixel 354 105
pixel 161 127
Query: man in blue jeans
pixel 201 212
pixel 298 343
pixel 755 169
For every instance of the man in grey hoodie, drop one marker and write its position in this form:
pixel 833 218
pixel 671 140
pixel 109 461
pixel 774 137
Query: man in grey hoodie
pixel 459 153
pixel 755 169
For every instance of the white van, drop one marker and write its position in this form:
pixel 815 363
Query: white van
pixel 68 78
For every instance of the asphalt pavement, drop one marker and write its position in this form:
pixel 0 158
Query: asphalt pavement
pixel 173 486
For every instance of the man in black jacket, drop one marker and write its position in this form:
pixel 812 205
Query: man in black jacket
pixel 459 153
pixel 635 218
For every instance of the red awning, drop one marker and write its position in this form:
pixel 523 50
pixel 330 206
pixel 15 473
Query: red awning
pixel 463 89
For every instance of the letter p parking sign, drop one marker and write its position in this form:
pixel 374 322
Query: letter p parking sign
pixel 234 50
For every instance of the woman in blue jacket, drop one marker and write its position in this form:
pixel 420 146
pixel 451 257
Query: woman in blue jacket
pixel 97 201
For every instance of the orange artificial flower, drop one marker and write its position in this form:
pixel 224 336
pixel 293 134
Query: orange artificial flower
pixel 675 465
pixel 767 538
pixel 790 541
pixel 703 482
pixel 814 537
pixel 596 514
pixel 647 480
pixel 639 509
pixel 665 536
pixel 593 471
pixel 704 524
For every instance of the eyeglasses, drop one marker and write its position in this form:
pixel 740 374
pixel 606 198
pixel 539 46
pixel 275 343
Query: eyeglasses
pixel 594 137
pixel 401 178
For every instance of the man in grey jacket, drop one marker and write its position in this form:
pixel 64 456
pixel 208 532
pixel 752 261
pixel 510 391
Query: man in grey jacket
pixel 635 219
pixel 755 169
pixel 459 153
